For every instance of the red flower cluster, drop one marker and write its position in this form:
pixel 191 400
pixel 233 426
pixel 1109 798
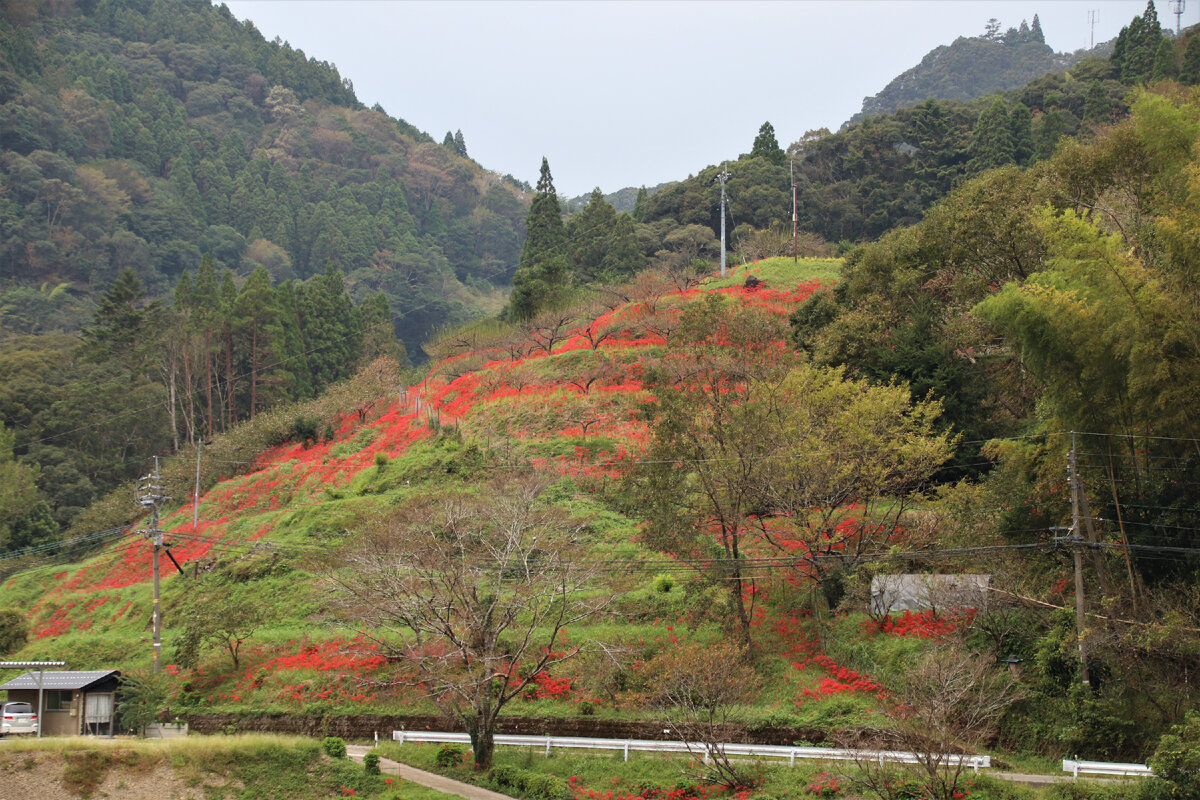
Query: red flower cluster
pixel 928 624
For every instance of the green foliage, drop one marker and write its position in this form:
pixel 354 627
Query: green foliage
pixel 450 756
pixel 1176 759
pixel 142 696
pixel 14 630
pixel 544 271
pixel 767 146
pixel 334 747
pixel 371 763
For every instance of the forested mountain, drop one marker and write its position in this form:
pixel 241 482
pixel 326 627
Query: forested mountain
pixel 887 170
pixel 144 134
pixel 975 66
pixel 197 225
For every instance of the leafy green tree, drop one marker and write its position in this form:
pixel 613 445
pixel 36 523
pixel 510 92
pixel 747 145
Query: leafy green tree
pixel 142 698
pixel 767 146
pixel 992 144
pixel 1176 759
pixel 14 630
pixel 1189 71
pixel 25 518
pixel 639 205
pixel 215 614
pixel 1096 107
pixel 1020 129
pixel 602 243
pixel 544 273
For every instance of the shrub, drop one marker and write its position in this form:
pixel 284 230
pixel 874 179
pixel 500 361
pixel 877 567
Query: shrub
pixel 505 775
pixel 14 631
pixel 371 763
pixel 381 459
pixel 448 756
pixel 334 746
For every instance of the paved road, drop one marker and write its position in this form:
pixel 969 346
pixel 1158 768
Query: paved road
pixel 442 784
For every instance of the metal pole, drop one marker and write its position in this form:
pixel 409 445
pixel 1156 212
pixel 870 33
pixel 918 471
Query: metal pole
pixel 41 703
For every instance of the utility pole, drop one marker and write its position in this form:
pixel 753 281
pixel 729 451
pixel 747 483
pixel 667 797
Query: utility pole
pixel 724 176
pixel 1077 544
pixel 150 496
pixel 795 239
pixel 1093 16
pixel 1177 8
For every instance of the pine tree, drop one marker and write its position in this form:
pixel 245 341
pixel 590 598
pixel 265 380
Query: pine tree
pixel 767 146
pixel 448 140
pixel 1035 31
pixel 460 144
pixel 543 272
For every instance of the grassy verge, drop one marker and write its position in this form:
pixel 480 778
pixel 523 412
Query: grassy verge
pixel 650 776
pixel 261 767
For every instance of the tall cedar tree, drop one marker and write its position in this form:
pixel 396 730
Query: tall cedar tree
pixel 544 269
pixel 602 243
pixel 767 146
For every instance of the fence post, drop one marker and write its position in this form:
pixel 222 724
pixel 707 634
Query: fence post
pixel 792 759
pixel 626 749
pixel 547 747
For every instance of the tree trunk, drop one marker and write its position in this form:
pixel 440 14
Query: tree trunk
pixel 253 369
pixel 483 742
pixel 231 402
pixel 172 374
pixel 208 365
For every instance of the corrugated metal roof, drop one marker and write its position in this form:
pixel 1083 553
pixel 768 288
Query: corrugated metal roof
pixel 61 679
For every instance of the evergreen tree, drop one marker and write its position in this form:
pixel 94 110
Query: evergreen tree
pixel 330 327
pixel 1189 73
pixel 258 318
pixel 448 140
pixel 992 145
pixel 602 243
pixel 1136 49
pixel 1020 128
pixel 766 146
pixel 1164 61
pixel 1096 107
pixel 460 144
pixel 639 205
pixel 1035 31
pixel 125 325
pixel 544 269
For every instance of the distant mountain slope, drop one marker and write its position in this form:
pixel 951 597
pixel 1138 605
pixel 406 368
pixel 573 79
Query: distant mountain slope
pixel 973 67
pixel 145 134
pixel 623 200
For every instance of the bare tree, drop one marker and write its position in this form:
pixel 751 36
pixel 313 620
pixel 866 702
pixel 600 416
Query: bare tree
pixel 703 691
pixel 947 704
pixel 469 592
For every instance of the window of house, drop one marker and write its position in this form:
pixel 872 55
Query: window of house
pixel 58 699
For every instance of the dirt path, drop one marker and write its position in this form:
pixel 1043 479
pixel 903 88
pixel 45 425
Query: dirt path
pixel 442 784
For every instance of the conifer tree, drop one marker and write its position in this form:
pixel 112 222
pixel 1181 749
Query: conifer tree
pixel 1035 30
pixel 639 205
pixel 992 145
pixel 460 144
pixel 1020 129
pixel 1164 61
pixel 543 273
pixel 1189 72
pixel 767 146
pixel 602 243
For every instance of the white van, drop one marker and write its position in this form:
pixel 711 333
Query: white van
pixel 18 718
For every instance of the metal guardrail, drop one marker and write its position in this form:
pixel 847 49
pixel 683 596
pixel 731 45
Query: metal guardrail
pixel 1105 768
pixel 655 746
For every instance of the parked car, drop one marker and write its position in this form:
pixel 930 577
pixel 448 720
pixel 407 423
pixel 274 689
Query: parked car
pixel 18 718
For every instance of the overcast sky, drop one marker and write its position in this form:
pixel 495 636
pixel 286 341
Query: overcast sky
pixel 624 93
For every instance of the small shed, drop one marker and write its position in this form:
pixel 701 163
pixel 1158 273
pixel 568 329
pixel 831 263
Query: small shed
pixel 894 593
pixel 74 702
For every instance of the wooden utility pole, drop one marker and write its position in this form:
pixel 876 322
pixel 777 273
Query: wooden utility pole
pixel 1077 544
pixel 724 176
